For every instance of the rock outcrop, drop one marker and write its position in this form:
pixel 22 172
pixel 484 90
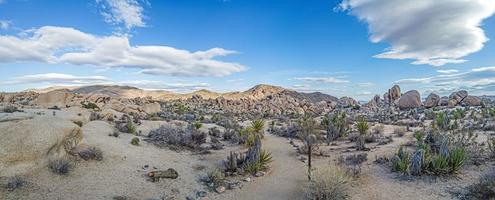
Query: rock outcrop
pixel 54 98
pixel 471 101
pixel 394 94
pixel 30 144
pixel 410 99
pixel 456 97
pixel 432 100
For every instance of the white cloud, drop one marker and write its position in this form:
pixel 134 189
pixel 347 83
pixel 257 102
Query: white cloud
pixel 365 84
pixel 55 78
pixel 5 24
pixel 126 12
pixel 322 79
pixel 67 45
pixel 479 80
pixel 59 79
pixel 430 32
pixel 449 71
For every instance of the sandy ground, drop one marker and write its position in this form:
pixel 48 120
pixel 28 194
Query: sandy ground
pixel 123 173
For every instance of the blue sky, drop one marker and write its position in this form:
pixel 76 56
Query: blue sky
pixel 355 48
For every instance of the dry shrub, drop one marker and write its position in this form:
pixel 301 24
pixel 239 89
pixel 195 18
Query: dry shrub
pixel 484 188
pixel 60 166
pixel 329 183
pixel 400 131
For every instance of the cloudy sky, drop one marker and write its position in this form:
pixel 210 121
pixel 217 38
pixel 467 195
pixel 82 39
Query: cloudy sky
pixel 355 48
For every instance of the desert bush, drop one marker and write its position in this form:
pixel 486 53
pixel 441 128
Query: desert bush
pixel 439 164
pixel 215 177
pixel 401 161
pixel 352 163
pixel 484 188
pixel 330 183
pixel 91 153
pixel 338 126
pixel 215 132
pixel 419 136
pixel 233 162
pixel 378 129
pixel 10 109
pixel 14 183
pixel 89 105
pixel 60 166
pixel 131 128
pixel 135 141
pixel 400 131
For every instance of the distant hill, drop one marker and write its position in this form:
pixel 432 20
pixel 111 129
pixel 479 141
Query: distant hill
pixel 255 93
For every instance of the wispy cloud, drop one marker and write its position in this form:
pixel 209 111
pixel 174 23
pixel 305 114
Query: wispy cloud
pixel 51 44
pixel 450 71
pixel 59 79
pixel 5 24
pixel 425 31
pixel 480 80
pixel 126 12
pixel 331 80
pixel 55 78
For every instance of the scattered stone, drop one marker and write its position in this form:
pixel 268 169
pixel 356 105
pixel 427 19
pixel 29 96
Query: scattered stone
pixel 201 193
pixel 220 189
pixel 260 174
pixel 247 179
pixel 169 173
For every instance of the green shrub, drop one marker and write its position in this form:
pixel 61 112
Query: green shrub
pixel 216 177
pixel 135 141
pixel 458 157
pixel 440 164
pixel 89 105
pixel 131 128
pixel 362 126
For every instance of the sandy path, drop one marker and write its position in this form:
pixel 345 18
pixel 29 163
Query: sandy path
pixel 286 179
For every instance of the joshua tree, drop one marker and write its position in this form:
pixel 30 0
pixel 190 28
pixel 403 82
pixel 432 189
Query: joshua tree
pixel 307 135
pixel 337 126
pixel 362 126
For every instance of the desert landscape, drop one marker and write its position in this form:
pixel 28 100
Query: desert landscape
pixel 116 142
pixel 247 100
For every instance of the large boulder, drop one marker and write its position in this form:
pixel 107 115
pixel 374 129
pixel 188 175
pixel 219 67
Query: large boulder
pixel 410 99
pixel 457 97
pixel 432 100
pixel 471 101
pixel 394 94
pixel 29 144
pixel 151 108
pixel 444 101
pixel 54 98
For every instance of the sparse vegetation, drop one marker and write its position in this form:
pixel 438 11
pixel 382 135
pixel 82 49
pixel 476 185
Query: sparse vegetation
pixel 60 166
pixel 91 153
pixel 10 109
pixel 484 188
pixel 135 141
pixel 14 183
pixel 330 183
pixel 89 105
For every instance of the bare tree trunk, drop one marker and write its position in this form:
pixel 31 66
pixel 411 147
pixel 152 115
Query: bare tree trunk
pixel 309 160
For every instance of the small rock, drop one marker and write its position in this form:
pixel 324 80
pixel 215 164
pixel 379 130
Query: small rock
pixel 201 193
pixel 247 179
pixel 260 173
pixel 220 189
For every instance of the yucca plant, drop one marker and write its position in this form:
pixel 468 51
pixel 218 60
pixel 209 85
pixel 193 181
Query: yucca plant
pixel 362 126
pixel 258 126
pixel 439 164
pixel 458 157
pixel 260 165
pixel 403 161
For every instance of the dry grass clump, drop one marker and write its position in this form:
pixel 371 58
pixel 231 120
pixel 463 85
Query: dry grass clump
pixel 400 131
pixel 215 177
pixel 60 166
pixel 484 188
pixel 14 183
pixel 91 153
pixel 329 183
